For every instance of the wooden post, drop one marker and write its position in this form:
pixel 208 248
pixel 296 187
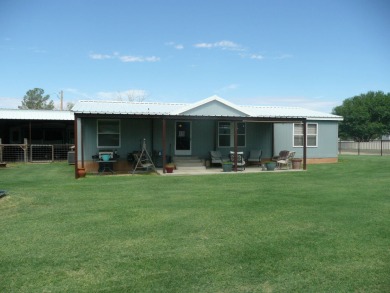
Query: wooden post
pixel 381 147
pixel 75 148
pixel 304 144
pixel 25 149
pixel 29 132
pixel 62 100
pixel 164 149
pixel 235 146
pixel 81 143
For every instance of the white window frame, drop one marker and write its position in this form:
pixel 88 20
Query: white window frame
pixel 231 134
pixel 113 133
pixel 308 135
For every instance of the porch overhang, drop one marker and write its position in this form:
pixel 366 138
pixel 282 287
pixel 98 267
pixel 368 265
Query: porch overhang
pixel 165 117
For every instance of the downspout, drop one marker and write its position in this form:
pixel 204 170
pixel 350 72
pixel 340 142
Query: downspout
pixel 304 144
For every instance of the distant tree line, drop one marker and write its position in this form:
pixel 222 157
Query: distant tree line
pixel 366 117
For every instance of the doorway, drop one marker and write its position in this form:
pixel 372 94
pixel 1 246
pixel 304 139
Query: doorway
pixel 183 138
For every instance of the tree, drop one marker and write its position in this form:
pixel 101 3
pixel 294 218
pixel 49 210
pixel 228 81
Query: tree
pixel 69 106
pixel 35 99
pixel 366 116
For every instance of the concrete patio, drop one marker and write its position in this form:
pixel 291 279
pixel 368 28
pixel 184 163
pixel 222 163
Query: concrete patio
pixel 182 171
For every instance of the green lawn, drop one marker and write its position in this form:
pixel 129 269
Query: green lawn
pixel 324 230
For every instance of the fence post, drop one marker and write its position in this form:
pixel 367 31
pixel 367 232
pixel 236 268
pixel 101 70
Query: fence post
pixel 358 148
pixel 381 147
pixel 25 148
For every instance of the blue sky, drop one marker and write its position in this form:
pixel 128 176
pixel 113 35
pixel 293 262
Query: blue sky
pixel 312 54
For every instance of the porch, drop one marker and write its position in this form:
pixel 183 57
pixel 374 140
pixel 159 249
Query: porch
pixel 218 170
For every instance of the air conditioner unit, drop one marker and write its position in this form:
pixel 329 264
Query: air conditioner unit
pixel 71 158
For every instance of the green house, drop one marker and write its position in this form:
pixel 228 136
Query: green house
pixel 178 130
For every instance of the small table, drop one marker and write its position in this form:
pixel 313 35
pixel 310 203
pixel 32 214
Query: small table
pixel 106 166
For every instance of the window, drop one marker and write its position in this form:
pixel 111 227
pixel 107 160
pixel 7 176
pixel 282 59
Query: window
pixel 226 134
pixel 311 133
pixel 108 133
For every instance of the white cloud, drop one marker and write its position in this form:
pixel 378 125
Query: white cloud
pixel 203 45
pixel 229 87
pixel 175 45
pixel 100 56
pixel 10 103
pixel 77 94
pixel 130 58
pixel 37 50
pixel 284 56
pixel 224 45
pixel 257 56
pixel 127 95
pixel 124 58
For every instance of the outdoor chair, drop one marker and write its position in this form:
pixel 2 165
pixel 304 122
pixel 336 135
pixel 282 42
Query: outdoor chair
pixel 282 156
pixel 286 162
pixel 240 160
pixel 255 157
pixel 216 157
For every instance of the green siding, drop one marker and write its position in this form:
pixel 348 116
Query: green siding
pixel 326 144
pixel 204 138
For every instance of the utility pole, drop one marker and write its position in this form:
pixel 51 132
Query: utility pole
pixel 62 100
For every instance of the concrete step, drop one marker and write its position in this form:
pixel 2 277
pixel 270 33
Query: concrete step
pixel 189 162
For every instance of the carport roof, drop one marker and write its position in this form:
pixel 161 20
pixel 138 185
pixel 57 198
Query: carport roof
pixel 13 114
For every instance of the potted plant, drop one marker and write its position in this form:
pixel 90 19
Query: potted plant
pixel 227 166
pixel 169 167
pixel 270 165
pixel 81 172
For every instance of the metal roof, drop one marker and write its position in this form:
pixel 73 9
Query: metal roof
pixel 13 114
pixel 290 112
pixel 141 108
pixel 120 107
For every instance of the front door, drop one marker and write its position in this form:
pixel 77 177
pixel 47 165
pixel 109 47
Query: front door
pixel 183 138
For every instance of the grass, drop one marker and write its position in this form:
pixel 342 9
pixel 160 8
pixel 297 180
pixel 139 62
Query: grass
pixel 324 230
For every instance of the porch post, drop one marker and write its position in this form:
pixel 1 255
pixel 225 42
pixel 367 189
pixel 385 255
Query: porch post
pixel 29 132
pixel 82 144
pixel 76 148
pixel 235 146
pixel 304 144
pixel 164 151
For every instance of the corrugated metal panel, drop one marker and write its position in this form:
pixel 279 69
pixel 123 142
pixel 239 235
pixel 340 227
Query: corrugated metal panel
pixel 290 112
pixel 132 108
pixel 12 114
pixel 113 107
